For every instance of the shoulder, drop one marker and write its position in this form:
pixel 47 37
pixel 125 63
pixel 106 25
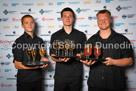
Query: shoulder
pixel 56 33
pixel 80 33
pixel 121 37
pixel 20 39
pixel 93 37
pixel 39 38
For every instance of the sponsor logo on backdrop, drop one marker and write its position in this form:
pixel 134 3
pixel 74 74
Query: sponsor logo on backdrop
pixel 49 33
pixel 5 4
pixel 119 24
pixel 119 8
pixel 45 11
pixel 84 25
pixel 15 19
pixel 6 12
pixel 29 11
pixel 5 45
pixel 1 77
pixel 87 2
pixel 40 26
pixel 14 4
pixel 87 33
pixel 114 17
pixel 51 70
pixel 80 18
pixel 73 3
pixel 59 19
pixel 16 27
pixel 40 4
pixel 3 63
pixel 92 18
pixel 48 85
pixel 132 24
pixel 124 0
pixel 9 56
pixel 7 70
pixel 14 78
pixel 50 26
pixel 98 1
pixel 50 3
pixel 13 34
pixel 6 85
pixel 47 19
pixel 128 16
pixel 60 3
pixel 108 1
pixel 126 32
pixel 28 4
pixel 4 19
pixel 82 10
pixel 6 27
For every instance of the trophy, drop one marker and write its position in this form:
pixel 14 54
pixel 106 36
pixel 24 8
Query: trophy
pixel 28 53
pixel 87 50
pixel 31 54
pixel 67 46
pixel 42 52
pixel 97 51
pixel 57 47
pixel 72 47
pixel 34 53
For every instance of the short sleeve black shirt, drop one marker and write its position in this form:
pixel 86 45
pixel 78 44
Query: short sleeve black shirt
pixel 110 77
pixel 19 52
pixel 72 67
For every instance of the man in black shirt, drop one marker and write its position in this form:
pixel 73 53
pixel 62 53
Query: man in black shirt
pixel 68 72
pixel 28 78
pixel 116 49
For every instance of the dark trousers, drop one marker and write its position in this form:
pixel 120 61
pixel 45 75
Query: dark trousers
pixel 68 83
pixel 101 89
pixel 29 86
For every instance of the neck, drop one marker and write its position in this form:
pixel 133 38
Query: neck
pixel 30 33
pixel 68 29
pixel 105 33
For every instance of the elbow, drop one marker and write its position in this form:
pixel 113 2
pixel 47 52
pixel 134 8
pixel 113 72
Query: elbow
pixel 130 62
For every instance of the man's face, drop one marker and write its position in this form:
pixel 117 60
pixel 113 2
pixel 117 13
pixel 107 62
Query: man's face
pixel 28 24
pixel 104 21
pixel 67 18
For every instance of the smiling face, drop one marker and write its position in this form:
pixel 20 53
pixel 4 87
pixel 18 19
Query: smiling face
pixel 28 24
pixel 67 18
pixel 104 21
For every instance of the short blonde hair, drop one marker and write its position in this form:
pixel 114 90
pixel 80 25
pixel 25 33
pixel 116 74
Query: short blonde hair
pixel 22 19
pixel 104 11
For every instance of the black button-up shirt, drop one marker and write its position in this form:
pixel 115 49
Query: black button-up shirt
pixel 19 52
pixel 110 77
pixel 72 67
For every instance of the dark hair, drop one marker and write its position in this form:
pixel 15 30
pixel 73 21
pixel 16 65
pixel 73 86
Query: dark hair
pixel 22 19
pixel 68 9
pixel 104 11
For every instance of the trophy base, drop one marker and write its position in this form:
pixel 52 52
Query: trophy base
pixel 65 56
pixel 36 63
pixel 93 59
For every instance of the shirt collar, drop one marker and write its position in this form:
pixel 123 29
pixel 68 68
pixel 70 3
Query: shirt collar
pixel 63 30
pixel 26 35
pixel 111 35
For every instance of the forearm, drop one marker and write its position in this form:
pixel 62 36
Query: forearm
pixel 55 59
pixel 123 62
pixel 18 65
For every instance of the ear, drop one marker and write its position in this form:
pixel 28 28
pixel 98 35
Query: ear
pixel 61 19
pixel 22 26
